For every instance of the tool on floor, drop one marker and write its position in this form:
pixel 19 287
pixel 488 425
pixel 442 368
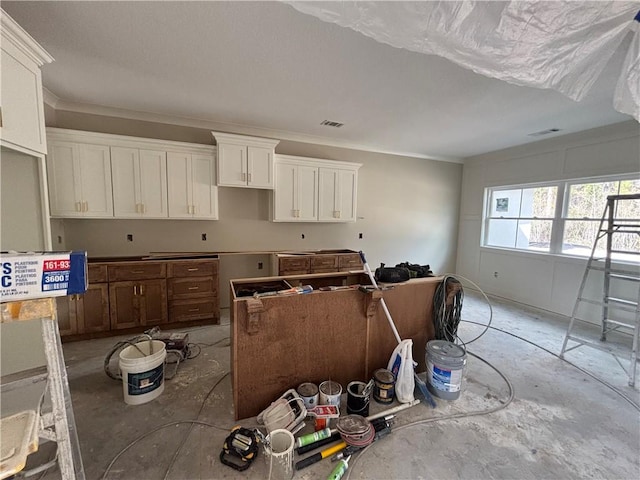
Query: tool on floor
pixel 287 412
pixel 341 468
pixel 316 457
pixel 618 314
pixel 421 385
pixel 239 449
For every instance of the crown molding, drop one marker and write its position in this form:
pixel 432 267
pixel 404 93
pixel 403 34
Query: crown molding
pixel 50 98
pixel 233 128
pixel 14 33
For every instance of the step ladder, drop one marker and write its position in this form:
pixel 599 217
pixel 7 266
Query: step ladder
pixel 58 425
pixel 612 306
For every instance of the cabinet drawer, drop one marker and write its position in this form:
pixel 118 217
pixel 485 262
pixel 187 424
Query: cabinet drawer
pixel 137 271
pixel 192 287
pixel 324 263
pixel 294 265
pixel 349 262
pixel 97 273
pixel 192 269
pixel 193 310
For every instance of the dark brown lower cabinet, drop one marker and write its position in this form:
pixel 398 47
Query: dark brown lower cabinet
pixel 136 303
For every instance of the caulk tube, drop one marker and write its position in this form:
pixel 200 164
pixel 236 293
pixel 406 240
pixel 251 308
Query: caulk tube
pixel 335 436
pixel 338 472
pixel 313 437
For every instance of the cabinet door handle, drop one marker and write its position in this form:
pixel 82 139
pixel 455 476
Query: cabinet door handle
pixel 193 288
pixel 86 206
pixel 78 207
pixel 192 269
pixel 244 176
pixel 194 309
pixel 249 177
pixel 141 289
pixel 135 290
pixel 143 208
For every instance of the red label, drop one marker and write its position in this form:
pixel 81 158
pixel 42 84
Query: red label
pixel 53 265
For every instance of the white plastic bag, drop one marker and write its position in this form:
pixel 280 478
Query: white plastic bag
pixel 401 364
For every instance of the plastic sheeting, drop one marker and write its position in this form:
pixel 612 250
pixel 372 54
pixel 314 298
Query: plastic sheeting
pixel 558 45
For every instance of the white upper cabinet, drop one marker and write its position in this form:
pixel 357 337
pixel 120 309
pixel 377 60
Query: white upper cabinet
pixel 139 182
pixel 314 190
pixel 22 110
pixel 337 194
pixel 245 161
pixel 191 185
pixel 296 193
pixel 79 179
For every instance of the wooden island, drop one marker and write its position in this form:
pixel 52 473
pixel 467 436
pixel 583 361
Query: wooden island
pixel 281 341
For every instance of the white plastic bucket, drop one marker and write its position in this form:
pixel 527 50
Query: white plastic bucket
pixel 279 454
pixel 142 371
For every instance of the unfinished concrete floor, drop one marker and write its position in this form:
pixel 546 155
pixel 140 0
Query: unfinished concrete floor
pixel 561 423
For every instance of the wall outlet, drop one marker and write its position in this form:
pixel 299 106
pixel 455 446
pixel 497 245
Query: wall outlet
pixel 260 266
pixel 359 235
pixel 204 237
pixel 302 236
pixel 129 237
pixel 495 274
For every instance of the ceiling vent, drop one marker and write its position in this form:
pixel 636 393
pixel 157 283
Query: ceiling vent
pixel 544 132
pixel 330 123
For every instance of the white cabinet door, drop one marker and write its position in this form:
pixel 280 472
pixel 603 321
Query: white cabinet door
pixel 296 193
pixel 95 170
pixel 22 112
pixel 336 195
pixel 139 183
pixel 259 167
pixel 79 180
pixel 191 186
pixel 204 190
pixel 153 184
pixel 232 165
pixel 179 184
pixel 63 172
pixel 125 174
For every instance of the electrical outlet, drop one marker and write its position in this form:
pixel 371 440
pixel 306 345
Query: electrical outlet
pixel 129 237
pixel 359 235
pixel 59 238
pixel 495 274
pixel 302 236
pixel 259 265
pixel 204 237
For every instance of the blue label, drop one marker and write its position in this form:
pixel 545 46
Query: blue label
pixel 145 382
pixel 55 280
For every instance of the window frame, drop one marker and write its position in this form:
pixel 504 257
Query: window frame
pixel 558 222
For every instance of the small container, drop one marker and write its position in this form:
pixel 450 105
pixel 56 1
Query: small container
pixel 384 386
pixel 310 394
pixel 330 392
pixel 357 399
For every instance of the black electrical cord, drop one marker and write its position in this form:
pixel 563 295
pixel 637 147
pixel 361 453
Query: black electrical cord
pixel 447 308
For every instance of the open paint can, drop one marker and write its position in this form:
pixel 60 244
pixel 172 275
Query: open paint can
pixel 330 393
pixel 310 394
pixel 384 386
pixel 358 399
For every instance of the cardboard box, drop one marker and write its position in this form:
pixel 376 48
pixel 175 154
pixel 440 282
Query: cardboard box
pixel 28 275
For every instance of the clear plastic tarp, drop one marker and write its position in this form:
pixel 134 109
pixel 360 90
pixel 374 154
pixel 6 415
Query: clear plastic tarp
pixel 561 45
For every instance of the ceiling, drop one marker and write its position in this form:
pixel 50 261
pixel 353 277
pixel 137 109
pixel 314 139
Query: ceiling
pixel 266 69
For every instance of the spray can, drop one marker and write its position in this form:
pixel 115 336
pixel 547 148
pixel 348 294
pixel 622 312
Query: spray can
pixel 313 437
pixel 338 472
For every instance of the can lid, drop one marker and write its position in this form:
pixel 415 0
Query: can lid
pixel 307 389
pixel 445 349
pixel 329 387
pixel 384 376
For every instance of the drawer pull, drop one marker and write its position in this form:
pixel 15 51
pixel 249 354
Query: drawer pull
pixel 194 309
pixel 192 269
pixel 193 288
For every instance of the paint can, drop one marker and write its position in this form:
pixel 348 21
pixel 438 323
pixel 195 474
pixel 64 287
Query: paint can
pixel 330 393
pixel 357 399
pixel 279 454
pixel 384 386
pixel 309 393
pixel 445 364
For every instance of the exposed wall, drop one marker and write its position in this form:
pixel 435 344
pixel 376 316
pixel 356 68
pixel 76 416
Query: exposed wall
pixel 407 211
pixel 20 206
pixel 550 282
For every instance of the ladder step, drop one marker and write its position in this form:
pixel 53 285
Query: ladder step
pixel 623 308
pixel 622 301
pixel 622 324
pixel 624 277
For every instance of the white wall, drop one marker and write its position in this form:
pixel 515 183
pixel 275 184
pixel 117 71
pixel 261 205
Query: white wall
pixel 407 211
pixel 550 282
pixel 20 206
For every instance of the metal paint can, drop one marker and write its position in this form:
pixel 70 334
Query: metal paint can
pixel 358 399
pixel 384 386
pixel 330 392
pixel 309 393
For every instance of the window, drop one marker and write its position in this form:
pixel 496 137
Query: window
pixel 522 218
pixel 562 217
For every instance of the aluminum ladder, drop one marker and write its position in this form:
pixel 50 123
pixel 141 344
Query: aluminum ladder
pixel 610 226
